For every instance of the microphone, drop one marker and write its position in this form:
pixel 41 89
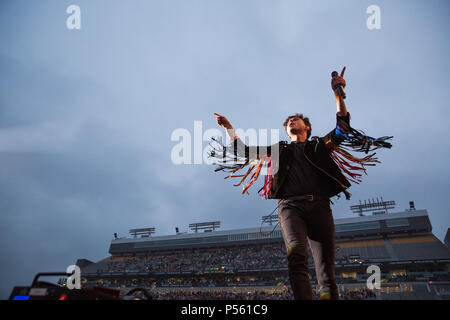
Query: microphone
pixel 339 88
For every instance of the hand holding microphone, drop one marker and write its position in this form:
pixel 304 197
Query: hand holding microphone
pixel 338 83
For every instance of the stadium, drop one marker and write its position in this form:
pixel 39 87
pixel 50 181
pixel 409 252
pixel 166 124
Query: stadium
pixel 250 263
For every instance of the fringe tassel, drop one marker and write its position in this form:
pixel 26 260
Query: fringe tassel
pixel 224 155
pixel 359 141
pixel 267 180
pixel 349 163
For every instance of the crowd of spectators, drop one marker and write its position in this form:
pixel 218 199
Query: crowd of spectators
pixel 281 291
pixel 411 278
pixel 224 295
pixel 258 294
pixel 267 256
pixel 259 257
pixel 201 260
pixel 357 294
pixel 194 282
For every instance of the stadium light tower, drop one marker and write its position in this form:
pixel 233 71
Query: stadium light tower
pixel 372 206
pixel 270 219
pixel 207 226
pixel 144 232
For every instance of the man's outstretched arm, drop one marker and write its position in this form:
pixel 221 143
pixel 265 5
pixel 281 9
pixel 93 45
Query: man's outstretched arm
pixel 241 149
pixel 254 160
pixel 224 123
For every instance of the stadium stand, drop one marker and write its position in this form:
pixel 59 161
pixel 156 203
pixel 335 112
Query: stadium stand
pixel 251 263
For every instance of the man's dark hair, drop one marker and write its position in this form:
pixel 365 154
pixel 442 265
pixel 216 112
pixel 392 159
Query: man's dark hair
pixel 300 116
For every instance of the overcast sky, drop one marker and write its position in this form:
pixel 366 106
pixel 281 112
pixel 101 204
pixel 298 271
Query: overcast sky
pixel 86 116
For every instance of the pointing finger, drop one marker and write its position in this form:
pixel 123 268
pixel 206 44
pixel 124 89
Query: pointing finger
pixel 342 72
pixel 217 115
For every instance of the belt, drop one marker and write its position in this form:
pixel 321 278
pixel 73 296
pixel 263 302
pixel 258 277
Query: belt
pixel 308 197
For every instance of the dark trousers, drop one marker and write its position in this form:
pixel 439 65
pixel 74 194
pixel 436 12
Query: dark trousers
pixel 313 221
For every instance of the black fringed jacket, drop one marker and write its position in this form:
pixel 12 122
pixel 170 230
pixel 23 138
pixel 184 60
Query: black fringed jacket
pixel 315 151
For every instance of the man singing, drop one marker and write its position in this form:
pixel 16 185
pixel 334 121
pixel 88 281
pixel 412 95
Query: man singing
pixel 303 176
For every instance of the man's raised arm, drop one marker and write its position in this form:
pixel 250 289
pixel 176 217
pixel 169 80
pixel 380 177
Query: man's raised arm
pixel 342 116
pixel 335 81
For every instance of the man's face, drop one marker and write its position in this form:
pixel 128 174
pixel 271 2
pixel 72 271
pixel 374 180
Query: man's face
pixel 295 126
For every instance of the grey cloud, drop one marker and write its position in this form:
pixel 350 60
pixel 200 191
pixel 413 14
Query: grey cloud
pixel 86 117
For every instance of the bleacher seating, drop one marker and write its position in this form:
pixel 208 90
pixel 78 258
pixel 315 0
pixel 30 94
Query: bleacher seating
pixel 422 247
pixel 265 265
